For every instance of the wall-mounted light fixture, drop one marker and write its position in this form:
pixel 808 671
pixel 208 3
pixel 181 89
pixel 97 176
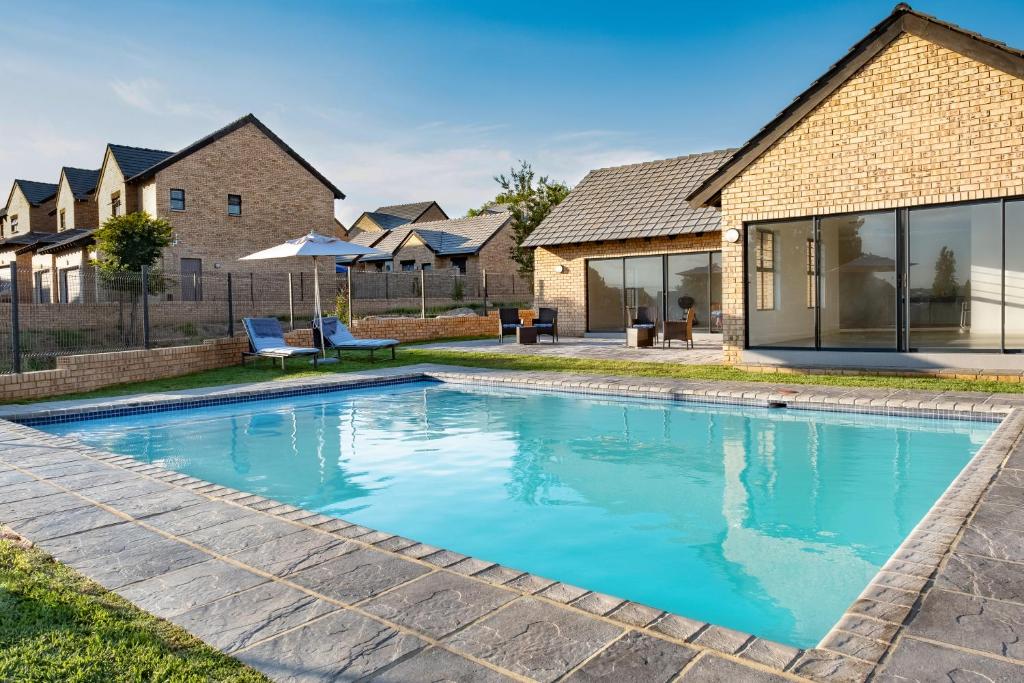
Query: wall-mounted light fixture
pixel 732 235
pixel 560 268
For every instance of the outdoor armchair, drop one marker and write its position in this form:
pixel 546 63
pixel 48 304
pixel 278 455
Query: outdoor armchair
pixel 546 322
pixel 508 322
pixel 333 334
pixel 681 330
pixel 644 317
pixel 266 340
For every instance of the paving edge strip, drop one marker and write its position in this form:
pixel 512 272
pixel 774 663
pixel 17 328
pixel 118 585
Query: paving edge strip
pixel 822 663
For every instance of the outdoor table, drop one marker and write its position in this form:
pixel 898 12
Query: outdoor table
pixel 638 337
pixel 526 335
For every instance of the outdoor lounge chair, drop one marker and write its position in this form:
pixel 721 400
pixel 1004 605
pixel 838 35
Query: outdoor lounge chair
pixel 679 329
pixel 508 322
pixel 644 318
pixel 337 336
pixel 266 340
pixel 546 322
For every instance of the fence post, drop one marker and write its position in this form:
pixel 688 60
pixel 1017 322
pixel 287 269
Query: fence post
pixel 291 304
pixel 423 293
pixel 144 274
pixel 483 276
pixel 348 294
pixel 231 309
pixel 15 331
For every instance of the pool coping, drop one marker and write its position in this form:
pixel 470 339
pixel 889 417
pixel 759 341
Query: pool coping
pixel 890 599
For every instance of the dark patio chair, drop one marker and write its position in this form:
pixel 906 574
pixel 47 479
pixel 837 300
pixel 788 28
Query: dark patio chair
pixel 644 317
pixel 508 322
pixel 546 322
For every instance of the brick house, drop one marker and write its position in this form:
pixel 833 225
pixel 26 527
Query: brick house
pixel 29 219
pixel 385 218
pixel 876 221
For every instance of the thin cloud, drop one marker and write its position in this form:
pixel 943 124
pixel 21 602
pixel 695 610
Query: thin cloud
pixel 152 97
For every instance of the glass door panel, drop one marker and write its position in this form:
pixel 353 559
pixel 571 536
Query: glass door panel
pixel 1014 314
pixel 605 312
pixel 858 281
pixel 781 284
pixel 716 291
pixel 644 284
pixel 689 286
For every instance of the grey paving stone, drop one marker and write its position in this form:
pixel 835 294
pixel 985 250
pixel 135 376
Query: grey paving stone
pixel 121 554
pixel 342 646
pixel 239 534
pixel 825 665
pixel 127 489
pixel 85 480
pixel 896 596
pixel 529 583
pixel 983 576
pixel 883 611
pixel 438 604
pixel 563 592
pixel 43 505
pixel 194 517
pixel 437 665
pixel 26 490
pixel 914 661
pixel 150 504
pixel 534 639
pixel 869 628
pixel 498 575
pixel 64 523
pixel 855 646
pixel 1002 544
pixel 358 575
pixel 711 669
pixel 722 639
pixel 635 614
pixel 635 657
pixel 419 550
pixel 971 621
pixel 444 558
pixel 597 603
pixel 775 655
pixel 470 566
pixel 68 468
pixel 675 626
pixel 394 544
pixel 295 552
pixel 1006 495
pixel 256 614
pixel 995 516
pixel 179 591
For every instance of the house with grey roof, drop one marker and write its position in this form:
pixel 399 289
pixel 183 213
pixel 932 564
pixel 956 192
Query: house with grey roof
pixel 385 218
pixel 466 245
pixel 626 237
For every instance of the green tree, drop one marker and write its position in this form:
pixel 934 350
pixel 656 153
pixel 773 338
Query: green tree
pixel 529 199
pixel 124 245
pixel 945 283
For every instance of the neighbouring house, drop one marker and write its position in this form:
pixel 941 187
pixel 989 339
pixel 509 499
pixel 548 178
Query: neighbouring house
pixel 235 191
pixel 877 221
pixel 626 237
pixel 385 218
pixel 465 245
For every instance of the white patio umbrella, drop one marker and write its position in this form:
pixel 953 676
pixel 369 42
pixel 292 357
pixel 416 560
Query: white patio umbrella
pixel 315 245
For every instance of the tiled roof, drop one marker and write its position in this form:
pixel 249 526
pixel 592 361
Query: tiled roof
pixel 635 201
pixel 368 238
pixel 135 160
pixel 459 235
pixel 409 212
pixel 387 221
pixel 28 239
pixel 82 181
pixel 77 237
pixel 35 192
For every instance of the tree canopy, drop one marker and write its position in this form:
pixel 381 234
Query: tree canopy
pixel 529 199
pixel 125 244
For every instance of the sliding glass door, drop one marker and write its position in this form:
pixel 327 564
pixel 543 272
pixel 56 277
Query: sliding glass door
pixel 781 295
pixel 666 285
pixel 1014 275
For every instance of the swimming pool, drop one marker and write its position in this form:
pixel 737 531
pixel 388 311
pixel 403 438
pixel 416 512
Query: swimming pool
pixel 767 521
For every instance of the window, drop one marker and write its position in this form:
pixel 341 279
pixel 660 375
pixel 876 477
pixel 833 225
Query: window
pixel 191 279
pixel 408 266
pixel 427 266
pixel 70 285
pixel 63 219
pixel 764 269
pixel 14 224
pixel 177 200
pixel 115 204
pixel 234 205
pixel 459 263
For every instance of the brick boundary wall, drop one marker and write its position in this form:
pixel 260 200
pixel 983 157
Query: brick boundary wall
pixel 87 372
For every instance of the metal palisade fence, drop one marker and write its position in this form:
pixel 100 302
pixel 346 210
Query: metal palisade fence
pixel 45 315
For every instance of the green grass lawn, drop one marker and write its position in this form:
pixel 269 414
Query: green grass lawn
pixel 264 370
pixel 56 625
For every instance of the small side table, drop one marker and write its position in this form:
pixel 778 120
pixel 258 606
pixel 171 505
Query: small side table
pixel 526 335
pixel 640 337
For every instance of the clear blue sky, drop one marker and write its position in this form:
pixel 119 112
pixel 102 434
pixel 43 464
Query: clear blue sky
pixel 403 101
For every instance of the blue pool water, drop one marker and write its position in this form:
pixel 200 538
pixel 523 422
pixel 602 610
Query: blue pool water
pixel 768 521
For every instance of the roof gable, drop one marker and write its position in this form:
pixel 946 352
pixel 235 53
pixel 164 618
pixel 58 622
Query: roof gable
pixel 170 158
pixel 81 181
pixel 902 20
pixel 634 201
pixel 35 192
pixel 410 212
pixel 134 160
pixel 452 237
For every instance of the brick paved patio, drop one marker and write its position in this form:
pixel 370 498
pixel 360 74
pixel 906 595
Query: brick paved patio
pixel 304 597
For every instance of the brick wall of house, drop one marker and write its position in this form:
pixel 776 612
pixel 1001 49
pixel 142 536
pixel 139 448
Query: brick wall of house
pixel 78 214
pixel 919 124
pixel 434 213
pixel 568 291
pixel 112 180
pixel 34 218
pixel 280 200
pixel 415 250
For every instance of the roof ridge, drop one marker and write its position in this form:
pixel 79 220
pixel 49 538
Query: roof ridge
pixel 144 149
pixel 692 155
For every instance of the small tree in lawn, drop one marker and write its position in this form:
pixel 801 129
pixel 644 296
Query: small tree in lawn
pixel 124 245
pixel 529 200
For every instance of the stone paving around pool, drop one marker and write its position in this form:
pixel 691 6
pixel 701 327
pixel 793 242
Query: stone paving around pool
pixel 707 349
pixel 305 597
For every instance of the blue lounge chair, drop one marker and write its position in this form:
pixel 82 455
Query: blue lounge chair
pixel 266 340
pixel 336 336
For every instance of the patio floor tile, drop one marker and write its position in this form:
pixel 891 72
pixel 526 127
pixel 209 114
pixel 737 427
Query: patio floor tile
pixel 1002 544
pixel 25 490
pixel 184 589
pixel 342 646
pixel 295 552
pixel 195 517
pixel 253 615
pixel 635 657
pixel 63 523
pixel 33 507
pixel 710 669
pixel 240 534
pixel 535 639
pixel 438 604
pixel 915 661
pixel 358 575
pixel 150 504
pixel 970 621
pixel 983 576
pixel 435 664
